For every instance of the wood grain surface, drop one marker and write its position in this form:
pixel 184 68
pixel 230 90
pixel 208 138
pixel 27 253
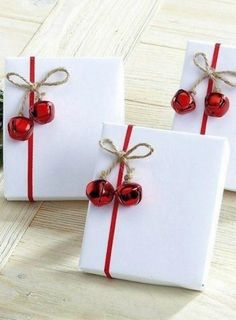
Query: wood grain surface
pixel 40 242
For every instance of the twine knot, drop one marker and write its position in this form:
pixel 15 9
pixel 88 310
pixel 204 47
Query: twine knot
pixel 21 82
pixel 200 60
pixel 123 157
pixel 33 86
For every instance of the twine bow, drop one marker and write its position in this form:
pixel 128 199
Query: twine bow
pixel 200 61
pixel 123 157
pixel 35 86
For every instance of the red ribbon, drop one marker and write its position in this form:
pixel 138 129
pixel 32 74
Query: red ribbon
pixel 31 139
pixel 116 207
pixel 210 86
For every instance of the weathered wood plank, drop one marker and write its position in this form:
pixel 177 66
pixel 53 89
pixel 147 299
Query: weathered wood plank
pixel 19 20
pixel 26 10
pixel 97 28
pixel 14 219
pixel 13 37
pixel 66 216
pixel 149 115
pixel 153 80
pixel 202 20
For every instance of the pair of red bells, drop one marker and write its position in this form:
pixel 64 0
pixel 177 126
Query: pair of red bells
pixel 101 192
pixel 216 104
pixel 21 128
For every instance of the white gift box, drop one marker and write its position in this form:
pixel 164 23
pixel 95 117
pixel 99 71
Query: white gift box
pixel 192 122
pixel 64 149
pixel 168 237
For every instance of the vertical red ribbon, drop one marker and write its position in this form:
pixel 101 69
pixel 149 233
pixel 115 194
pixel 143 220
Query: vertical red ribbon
pixel 31 139
pixel 210 86
pixel 116 207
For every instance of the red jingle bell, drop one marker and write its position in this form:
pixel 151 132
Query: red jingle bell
pixel 216 104
pixel 129 193
pixel 20 128
pixel 183 101
pixel 42 111
pixel 100 192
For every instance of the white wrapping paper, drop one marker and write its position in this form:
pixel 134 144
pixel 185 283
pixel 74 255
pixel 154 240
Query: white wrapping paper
pixel 224 126
pixel 168 238
pixel 64 150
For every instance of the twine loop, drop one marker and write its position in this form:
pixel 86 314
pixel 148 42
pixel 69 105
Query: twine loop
pixel 200 60
pixel 123 157
pixel 20 82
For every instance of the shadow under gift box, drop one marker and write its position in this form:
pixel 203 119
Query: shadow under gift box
pixel 193 122
pixel 168 237
pixel 64 149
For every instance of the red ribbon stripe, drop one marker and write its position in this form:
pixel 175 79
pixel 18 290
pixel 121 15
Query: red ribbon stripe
pixel 31 139
pixel 210 86
pixel 116 207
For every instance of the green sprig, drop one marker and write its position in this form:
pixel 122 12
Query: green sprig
pixel 1 125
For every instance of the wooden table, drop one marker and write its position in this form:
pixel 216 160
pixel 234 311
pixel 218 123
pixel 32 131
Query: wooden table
pixel 40 242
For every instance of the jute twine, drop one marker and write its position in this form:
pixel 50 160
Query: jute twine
pixel 123 157
pixel 200 61
pixel 21 82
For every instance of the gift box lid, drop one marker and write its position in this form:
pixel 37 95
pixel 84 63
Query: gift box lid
pixel 63 151
pixel 168 237
pixel 223 58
